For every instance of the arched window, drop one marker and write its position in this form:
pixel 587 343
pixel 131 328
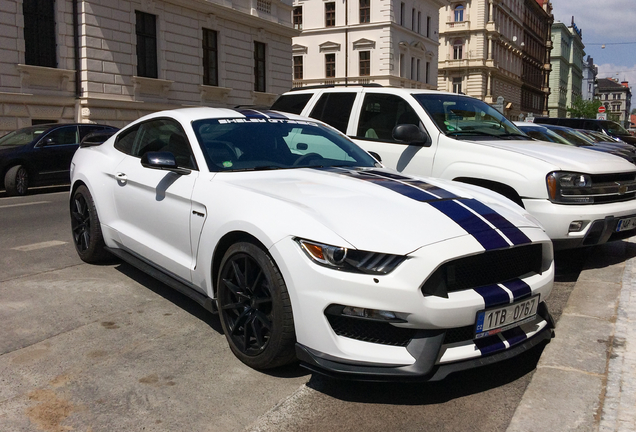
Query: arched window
pixel 458 49
pixel 459 13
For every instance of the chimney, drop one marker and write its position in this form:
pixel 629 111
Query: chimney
pixel 625 84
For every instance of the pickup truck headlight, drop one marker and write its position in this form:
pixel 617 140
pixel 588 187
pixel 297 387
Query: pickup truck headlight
pixel 569 187
pixel 353 260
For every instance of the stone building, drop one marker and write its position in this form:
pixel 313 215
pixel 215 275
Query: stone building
pixel 113 61
pixel 566 79
pixel 588 84
pixel 616 97
pixel 493 49
pixel 387 42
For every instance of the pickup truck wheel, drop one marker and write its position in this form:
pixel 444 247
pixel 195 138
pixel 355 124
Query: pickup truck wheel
pixel 16 180
pixel 254 308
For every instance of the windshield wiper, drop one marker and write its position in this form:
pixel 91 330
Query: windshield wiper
pixel 469 132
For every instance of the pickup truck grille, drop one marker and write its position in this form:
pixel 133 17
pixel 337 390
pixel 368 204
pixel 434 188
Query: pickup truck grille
pixel 606 188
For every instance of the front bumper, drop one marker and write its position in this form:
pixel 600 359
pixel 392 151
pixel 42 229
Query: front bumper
pixel 600 221
pixel 426 366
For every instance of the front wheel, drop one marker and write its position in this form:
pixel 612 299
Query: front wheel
pixel 254 308
pixel 87 233
pixel 16 180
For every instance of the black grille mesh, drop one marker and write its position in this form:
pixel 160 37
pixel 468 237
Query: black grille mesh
pixel 487 268
pixel 459 334
pixel 370 331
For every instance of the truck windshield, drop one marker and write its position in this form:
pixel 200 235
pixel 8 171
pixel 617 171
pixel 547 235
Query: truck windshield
pixel 614 128
pixel 462 116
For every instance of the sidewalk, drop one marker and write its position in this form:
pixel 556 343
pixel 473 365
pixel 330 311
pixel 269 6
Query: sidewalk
pixel 586 378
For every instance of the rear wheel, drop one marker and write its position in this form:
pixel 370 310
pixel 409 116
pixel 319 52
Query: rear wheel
pixel 87 233
pixel 16 180
pixel 254 307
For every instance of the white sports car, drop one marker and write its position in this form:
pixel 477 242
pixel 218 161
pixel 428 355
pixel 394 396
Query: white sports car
pixel 310 250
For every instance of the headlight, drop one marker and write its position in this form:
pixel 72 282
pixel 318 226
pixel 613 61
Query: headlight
pixel 352 260
pixel 568 187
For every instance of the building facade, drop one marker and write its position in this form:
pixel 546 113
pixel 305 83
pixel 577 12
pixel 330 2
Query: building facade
pixel 588 85
pixel 387 42
pixel 566 79
pixel 112 62
pixel 616 97
pixel 495 50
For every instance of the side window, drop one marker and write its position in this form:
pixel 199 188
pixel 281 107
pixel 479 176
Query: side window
pixel 164 135
pixel 334 109
pixel 62 136
pixel 381 113
pixel 293 103
pixel 126 139
pixel 85 130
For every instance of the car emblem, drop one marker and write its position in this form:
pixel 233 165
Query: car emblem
pixel 622 189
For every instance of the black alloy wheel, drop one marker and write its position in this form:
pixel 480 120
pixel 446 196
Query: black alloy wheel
pixel 16 180
pixel 255 309
pixel 87 233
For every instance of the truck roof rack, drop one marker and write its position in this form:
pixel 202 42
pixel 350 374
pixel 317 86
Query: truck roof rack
pixel 318 86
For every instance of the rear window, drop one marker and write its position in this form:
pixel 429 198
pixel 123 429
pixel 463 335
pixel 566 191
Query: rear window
pixel 293 103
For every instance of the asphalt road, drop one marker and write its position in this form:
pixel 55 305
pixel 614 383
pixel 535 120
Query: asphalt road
pixel 106 348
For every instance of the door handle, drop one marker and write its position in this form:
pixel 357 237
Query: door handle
pixel 121 177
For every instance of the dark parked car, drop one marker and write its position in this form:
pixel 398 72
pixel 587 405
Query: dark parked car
pixel 41 155
pixel 607 127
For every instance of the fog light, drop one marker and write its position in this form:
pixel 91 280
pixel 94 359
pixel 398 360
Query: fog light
pixel 576 226
pixel 369 313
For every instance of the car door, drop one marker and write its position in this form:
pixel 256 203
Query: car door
pixel 373 131
pixel 53 154
pixel 154 206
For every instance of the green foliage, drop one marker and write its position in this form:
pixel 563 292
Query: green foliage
pixel 584 108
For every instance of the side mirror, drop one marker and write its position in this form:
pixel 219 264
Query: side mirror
pixel 162 161
pixel 411 134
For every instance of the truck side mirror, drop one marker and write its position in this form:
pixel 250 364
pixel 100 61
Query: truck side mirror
pixel 412 135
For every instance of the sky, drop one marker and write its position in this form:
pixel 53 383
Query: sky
pixel 609 22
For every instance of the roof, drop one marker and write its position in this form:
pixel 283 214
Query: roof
pixel 610 84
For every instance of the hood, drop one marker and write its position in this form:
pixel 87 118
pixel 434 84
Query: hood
pixel 381 210
pixel 566 158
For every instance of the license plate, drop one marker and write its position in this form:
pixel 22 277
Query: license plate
pixel 626 224
pixel 496 320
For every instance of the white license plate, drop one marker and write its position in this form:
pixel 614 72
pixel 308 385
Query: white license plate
pixel 496 320
pixel 626 224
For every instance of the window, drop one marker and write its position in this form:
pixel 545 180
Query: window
pixel 413 15
pixel 365 11
pixel 330 14
pixel 419 22
pixel 457 85
pixel 419 78
pixel 264 6
pixel 298 17
pixel 292 103
pixel 334 109
pixel 428 26
pixel 298 67
pixel 163 135
pixel 459 13
pixel 428 72
pixel 146 29
pixel 210 58
pixel 380 113
pixel 412 68
pixel 259 66
pixel 39 33
pixel 402 13
pixel 365 63
pixel 62 136
pixel 330 65
pixel 458 47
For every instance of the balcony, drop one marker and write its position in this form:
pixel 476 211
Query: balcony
pixel 462 26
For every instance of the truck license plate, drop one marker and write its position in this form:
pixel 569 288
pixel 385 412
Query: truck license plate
pixel 626 224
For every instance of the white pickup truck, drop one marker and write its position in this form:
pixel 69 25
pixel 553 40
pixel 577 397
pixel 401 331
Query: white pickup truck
pixel 581 197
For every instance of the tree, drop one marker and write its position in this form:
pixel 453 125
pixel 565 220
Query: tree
pixel 584 108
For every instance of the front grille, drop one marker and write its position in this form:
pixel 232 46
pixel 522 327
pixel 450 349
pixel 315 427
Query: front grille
pixel 490 267
pixel 370 331
pixel 459 334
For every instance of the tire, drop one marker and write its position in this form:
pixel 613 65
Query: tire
pixel 254 308
pixel 16 180
pixel 86 230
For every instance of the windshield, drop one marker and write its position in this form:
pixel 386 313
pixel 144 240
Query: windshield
pixel 543 134
pixel 22 136
pixel 457 115
pixel 614 128
pixel 258 144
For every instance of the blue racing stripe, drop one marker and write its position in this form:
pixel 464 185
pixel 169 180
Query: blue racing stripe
pixel 395 186
pixel 514 335
pixel 514 234
pixel 493 295
pixel 436 190
pixel 490 344
pixel 519 288
pixel 475 226
pixel 252 114
pixel 275 115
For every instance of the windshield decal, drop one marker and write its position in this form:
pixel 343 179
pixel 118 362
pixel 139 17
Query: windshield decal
pixel 250 113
